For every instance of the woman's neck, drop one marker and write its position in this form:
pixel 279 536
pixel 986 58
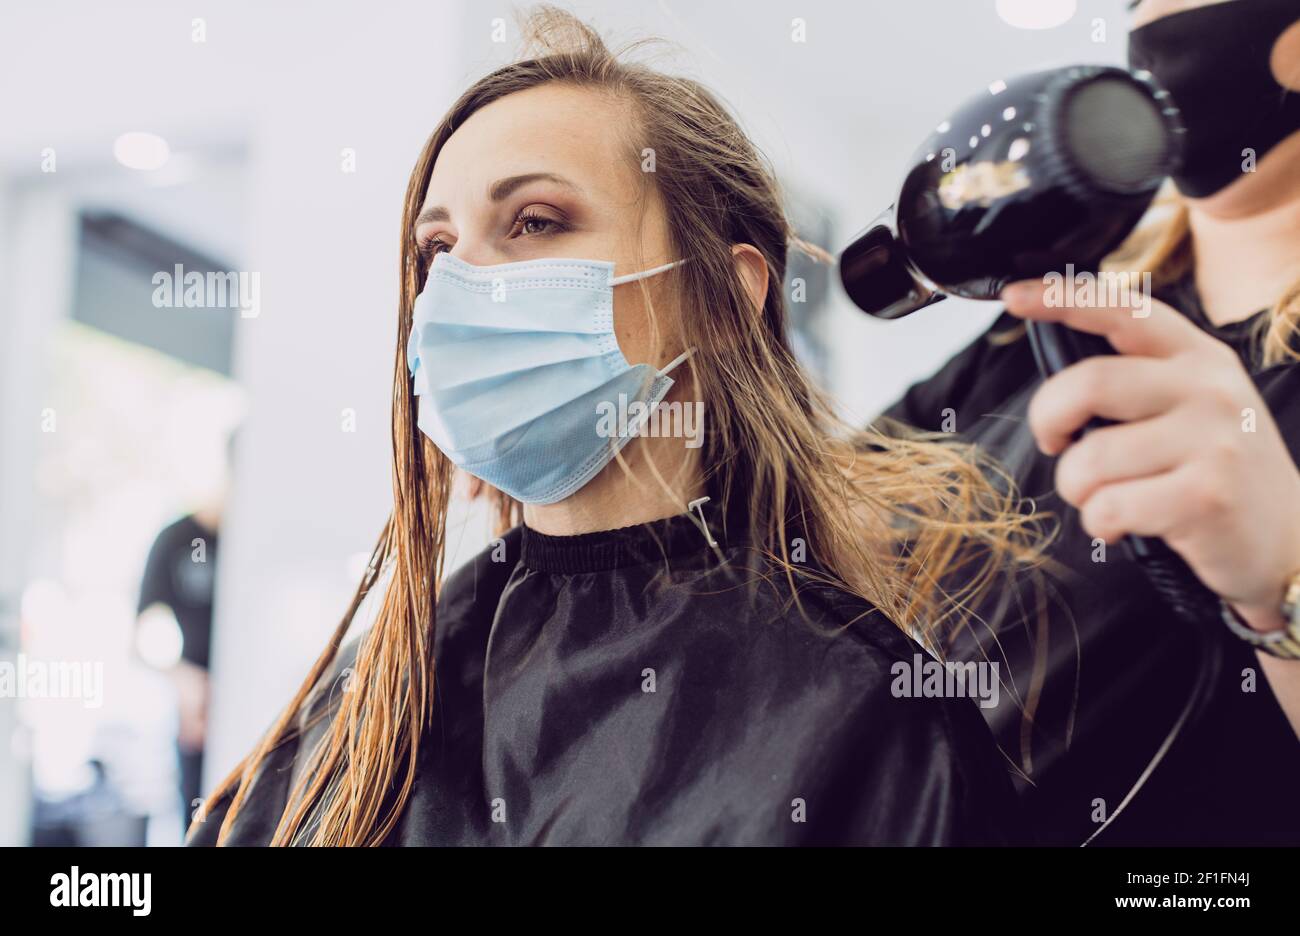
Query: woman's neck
pixel 1244 263
pixel 662 477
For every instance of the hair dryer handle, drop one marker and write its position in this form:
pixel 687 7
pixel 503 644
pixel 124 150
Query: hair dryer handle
pixel 1056 347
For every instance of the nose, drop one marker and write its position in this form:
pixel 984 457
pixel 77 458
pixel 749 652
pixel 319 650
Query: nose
pixel 476 251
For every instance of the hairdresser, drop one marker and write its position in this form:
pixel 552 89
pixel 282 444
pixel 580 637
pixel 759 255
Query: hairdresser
pixel 1205 396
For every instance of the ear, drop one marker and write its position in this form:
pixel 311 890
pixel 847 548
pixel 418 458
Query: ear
pixel 752 269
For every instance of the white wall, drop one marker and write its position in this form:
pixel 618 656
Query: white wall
pixel 37 249
pixel 310 496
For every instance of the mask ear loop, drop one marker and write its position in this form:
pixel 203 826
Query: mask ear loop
pixel 644 274
pixel 676 361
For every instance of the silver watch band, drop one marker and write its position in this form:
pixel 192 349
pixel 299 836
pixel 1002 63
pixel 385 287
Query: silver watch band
pixel 1284 643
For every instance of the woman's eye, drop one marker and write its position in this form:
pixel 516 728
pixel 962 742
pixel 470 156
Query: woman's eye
pixel 532 224
pixel 431 246
pixel 526 224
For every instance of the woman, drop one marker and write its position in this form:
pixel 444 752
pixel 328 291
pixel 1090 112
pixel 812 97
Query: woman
pixel 1206 392
pixel 627 664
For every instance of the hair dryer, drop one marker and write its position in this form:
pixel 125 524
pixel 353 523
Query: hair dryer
pixel 1045 170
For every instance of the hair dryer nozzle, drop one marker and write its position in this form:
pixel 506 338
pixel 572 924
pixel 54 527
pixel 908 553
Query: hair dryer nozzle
pixel 880 279
pixel 1038 172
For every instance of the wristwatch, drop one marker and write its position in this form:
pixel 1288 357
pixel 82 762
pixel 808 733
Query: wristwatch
pixel 1284 643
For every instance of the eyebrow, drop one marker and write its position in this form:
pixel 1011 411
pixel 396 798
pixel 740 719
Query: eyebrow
pixel 499 190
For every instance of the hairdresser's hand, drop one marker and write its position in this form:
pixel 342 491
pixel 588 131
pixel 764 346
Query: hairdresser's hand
pixel 1196 460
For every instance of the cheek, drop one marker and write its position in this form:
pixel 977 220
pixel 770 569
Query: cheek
pixel 644 336
pixel 632 324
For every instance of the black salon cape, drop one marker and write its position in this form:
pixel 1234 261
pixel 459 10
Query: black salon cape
pixel 629 687
pixel 1117 678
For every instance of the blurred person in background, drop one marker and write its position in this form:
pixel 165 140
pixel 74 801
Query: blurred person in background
pixel 176 596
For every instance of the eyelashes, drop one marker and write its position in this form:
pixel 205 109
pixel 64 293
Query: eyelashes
pixel 528 223
pixel 530 214
pixel 430 246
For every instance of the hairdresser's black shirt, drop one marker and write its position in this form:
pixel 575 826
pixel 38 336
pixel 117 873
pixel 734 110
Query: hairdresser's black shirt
pixel 634 686
pixel 1117 676
pixel 180 573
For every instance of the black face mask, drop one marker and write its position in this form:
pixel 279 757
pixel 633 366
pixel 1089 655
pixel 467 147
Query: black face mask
pixel 1214 60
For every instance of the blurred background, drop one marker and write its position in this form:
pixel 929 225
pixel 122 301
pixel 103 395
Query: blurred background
pixel 190 483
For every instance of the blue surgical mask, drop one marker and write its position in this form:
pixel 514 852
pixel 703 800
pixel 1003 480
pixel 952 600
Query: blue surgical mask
pixel 511 364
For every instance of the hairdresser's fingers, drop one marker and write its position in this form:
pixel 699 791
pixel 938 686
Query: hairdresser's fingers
pixel 1142 326
pixel 1111 387
pixel 1124 452
pixel 1157 505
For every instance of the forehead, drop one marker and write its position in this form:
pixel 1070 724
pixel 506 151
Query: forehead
pixel 581 133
